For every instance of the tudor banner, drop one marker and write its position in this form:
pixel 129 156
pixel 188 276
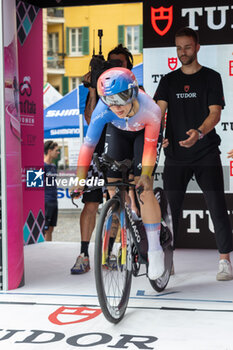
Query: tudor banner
pixel 213 20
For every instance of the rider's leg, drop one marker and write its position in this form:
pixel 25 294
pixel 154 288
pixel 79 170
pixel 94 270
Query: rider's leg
pixel 48 233
pixel 115 221
pixel 151 217
pixel 87 224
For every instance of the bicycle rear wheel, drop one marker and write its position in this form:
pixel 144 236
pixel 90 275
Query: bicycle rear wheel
pixel 166 239
pixel 113 263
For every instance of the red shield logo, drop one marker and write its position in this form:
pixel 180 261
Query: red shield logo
pixel 186 88
pixel 172 62
pixel 161 14
pixel 69 315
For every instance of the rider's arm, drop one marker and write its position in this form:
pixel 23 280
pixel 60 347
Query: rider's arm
pixel 98 120
pixel 152 128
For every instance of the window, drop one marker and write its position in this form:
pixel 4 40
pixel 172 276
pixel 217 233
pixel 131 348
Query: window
pixel 53 43
pixel 132 39
pixel 75 81
pixel 77 41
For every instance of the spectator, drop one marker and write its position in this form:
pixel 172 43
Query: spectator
pixel 51 153
pixel 193 98
pixel 92 199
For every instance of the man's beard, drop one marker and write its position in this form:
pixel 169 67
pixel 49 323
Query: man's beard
pixel 189 61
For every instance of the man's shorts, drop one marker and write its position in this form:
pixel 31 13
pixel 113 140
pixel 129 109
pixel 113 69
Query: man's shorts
pixel 96 195
pixel 51 211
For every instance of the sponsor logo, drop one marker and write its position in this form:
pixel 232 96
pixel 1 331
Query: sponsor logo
pixel 194 216
pixel 231 168
pixel 156 77
pixel 73 131
pixel 62 112
pixel 133 225
pixel 186 88
pixel 186 95
pixel 226 126
pixel 231 68
pixel 161 23
pixel 81 340
pixel 211 13
pixel 25 87
pixel 172 62
pixel 35 178
pixel 27 106
pixel 69 315
pixel 161 14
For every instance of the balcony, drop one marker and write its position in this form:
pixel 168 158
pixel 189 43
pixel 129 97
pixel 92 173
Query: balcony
pixel 55 63
pixel 55 15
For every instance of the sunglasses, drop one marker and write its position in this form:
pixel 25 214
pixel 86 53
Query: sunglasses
pixel 120 99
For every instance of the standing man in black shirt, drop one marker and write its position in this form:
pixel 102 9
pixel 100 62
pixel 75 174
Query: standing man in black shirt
pixel 193 98
pixel 51 153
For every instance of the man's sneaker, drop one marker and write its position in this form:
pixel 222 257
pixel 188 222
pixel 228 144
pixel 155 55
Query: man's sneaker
pixel 156 264
pixel 111 264
pixel 224 271
pixel 81 265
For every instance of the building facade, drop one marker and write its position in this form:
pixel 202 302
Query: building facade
pixel 71 38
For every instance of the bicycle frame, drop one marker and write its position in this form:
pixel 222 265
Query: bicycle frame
pixel 127 222
pixel 120 253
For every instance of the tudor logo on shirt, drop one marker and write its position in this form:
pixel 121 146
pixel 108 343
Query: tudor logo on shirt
pixel 186 94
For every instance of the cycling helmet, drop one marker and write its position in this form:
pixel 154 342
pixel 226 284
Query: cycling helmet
pixel 117 86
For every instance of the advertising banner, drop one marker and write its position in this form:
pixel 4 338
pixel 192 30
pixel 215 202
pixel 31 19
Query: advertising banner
pixel 214 24
pixel 30 51
pixel 12 156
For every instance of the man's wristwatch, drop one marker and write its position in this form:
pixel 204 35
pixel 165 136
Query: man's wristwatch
pixel 201 135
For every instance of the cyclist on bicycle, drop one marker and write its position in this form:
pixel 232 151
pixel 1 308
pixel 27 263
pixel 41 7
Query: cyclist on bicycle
pixel 133 132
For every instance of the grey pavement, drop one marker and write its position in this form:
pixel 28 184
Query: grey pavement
pixel 68 228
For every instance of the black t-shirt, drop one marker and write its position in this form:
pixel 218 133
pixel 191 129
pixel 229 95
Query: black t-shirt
pixel 50 183
pixel 189 97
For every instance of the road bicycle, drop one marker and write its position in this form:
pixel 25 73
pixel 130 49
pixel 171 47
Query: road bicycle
pixel 121 244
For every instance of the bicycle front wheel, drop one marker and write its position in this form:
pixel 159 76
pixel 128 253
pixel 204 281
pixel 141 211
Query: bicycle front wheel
pixel 113 262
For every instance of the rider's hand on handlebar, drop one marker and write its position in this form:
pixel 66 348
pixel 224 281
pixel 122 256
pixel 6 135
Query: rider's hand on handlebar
pixel 145 182
pixel 76 191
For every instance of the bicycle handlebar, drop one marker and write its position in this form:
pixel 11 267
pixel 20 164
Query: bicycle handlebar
pixel 103 163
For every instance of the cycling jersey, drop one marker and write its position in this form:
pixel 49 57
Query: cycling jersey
pixel 148 117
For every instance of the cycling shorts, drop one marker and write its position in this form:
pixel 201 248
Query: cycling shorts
pixel 122 144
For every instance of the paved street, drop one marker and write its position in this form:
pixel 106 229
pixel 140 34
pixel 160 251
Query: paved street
pixel 67 229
